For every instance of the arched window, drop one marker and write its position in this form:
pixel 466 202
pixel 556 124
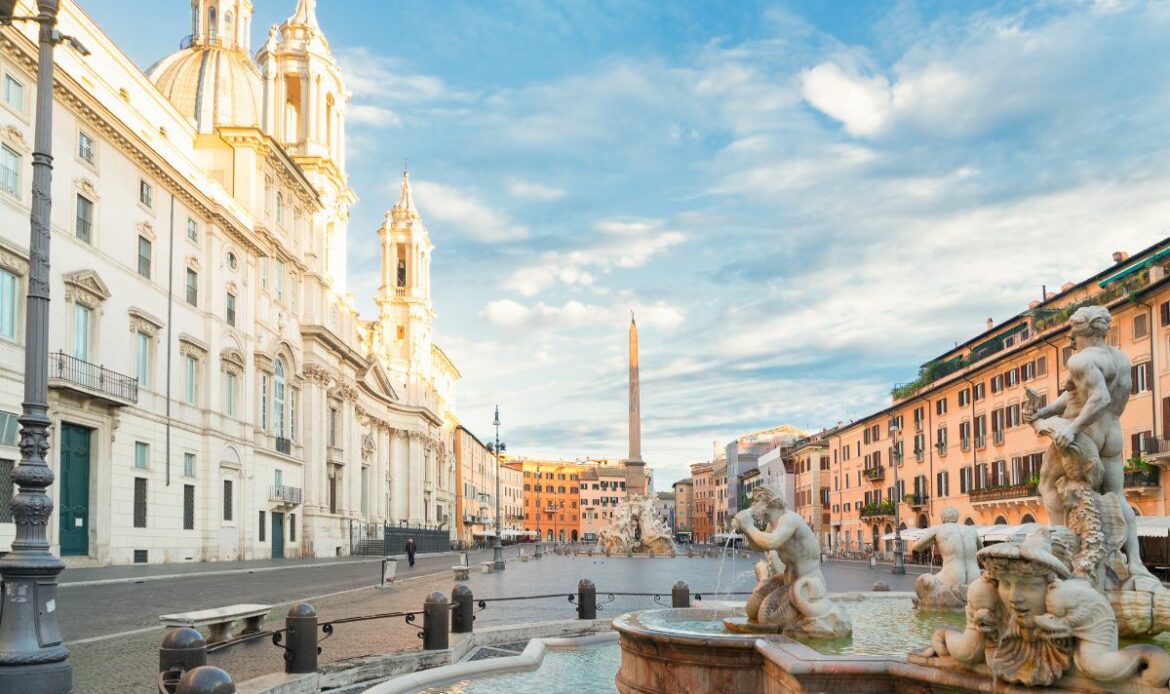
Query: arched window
pixel 279 207
pixel 969 521
pixel 1000 520
pixel 228 29
pixel 1027 519
pixel 278 398
pixel 211 28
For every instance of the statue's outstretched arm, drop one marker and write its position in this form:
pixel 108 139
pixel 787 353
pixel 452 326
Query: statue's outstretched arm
pixel 924 543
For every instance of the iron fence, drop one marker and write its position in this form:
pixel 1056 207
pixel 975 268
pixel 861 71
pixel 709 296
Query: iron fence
pixel 383 539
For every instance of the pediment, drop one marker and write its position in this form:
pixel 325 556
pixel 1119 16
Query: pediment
pixel 86 284
pixel 375 378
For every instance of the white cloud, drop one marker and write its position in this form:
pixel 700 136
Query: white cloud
pixel 371 76
pixel 622 244
pixel 530 190
pixel 464 213
pixel 377 116
pixel 507 313
pixel 862 104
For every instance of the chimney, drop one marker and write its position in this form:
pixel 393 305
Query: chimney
pixel 990 324
pixel 1033 303
pixel 1066 286
pixel 1049 295
pixel 1120 256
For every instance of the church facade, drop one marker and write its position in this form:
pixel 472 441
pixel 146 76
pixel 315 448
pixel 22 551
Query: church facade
pixel 215 394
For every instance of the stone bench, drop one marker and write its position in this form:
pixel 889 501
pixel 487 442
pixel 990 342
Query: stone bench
pixel 219 620
pixel 486 566
pixel 462 573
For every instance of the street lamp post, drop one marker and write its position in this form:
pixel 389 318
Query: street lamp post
pixel 896 459
pixel 32 657
pixel 498 548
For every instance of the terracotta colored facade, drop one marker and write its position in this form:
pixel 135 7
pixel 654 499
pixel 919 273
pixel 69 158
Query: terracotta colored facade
pixel 960 437
pixel 683 505
pixel 703 503
pixel 552 493
pixel 602 488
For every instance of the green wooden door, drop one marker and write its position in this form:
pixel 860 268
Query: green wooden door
pixel 74 511
pixel 277 535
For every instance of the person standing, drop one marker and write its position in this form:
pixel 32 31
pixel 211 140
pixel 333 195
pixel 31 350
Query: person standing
pixel 410 550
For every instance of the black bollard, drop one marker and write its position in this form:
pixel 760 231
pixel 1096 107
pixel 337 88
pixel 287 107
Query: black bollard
pixel 680 595
pixel 206 680
pixel 436 636
pixel 182 649
pixel 462 609
pixel 300 631
pixel 586 599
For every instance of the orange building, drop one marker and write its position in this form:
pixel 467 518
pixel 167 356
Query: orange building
pixel 603 487
pixel 703 502
pixel 684 506
pixel 960 440
pixel 552 497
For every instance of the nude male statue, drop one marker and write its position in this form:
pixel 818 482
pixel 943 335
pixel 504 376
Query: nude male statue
pixel 1096 391
pixel 957 544
pixel 792 590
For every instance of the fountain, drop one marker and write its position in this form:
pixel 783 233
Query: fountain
pixel 636 528
pixel 1046 611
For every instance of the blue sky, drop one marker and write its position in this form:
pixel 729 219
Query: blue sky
pixel 802 201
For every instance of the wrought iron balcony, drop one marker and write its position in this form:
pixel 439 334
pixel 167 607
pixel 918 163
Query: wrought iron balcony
pixel 74 374
pixel 283 445
pixel 916 500
pixel 1013 491
pixel 285 494
pixel 875 473
pixel 1143 478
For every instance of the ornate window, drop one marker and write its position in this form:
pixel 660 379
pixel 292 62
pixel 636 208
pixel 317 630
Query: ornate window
pixel 278 393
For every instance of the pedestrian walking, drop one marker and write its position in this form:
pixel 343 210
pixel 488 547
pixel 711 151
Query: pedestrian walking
pixel 410 550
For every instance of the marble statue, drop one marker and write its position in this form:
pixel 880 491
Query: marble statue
pixel 636 527
pixel 791 596
pixel 1082 480
pixel 957 544
pixel 1030 622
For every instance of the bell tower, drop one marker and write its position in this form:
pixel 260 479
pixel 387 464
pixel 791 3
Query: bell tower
pixel 305 102
pixel 404 297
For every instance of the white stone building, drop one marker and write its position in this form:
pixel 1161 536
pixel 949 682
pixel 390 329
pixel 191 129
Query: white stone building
pixel 214 393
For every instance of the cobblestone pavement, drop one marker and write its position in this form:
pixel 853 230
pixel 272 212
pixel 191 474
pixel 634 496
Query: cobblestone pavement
pixel 128 663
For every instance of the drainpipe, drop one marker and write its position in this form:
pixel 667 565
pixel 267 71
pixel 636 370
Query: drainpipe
pixel 170 329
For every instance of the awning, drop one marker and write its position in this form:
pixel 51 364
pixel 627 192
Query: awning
pixel 1153 526
pixel 1134 268
pixel 908 535
pixel 1007 533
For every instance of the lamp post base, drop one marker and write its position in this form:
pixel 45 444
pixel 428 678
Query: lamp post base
pixel 899 561
pixel 538 555
pixel 41 678
pixel 498 555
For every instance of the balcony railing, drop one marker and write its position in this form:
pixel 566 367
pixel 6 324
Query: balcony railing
pixel 283 445
pixel 93 378
pixel 916 500
pixel 875 473
pixel 942 448
pixel 1143 478
pixel 284 494
pixel 965 443
pixel 1014 491
pixel 919 454
pixel 981 441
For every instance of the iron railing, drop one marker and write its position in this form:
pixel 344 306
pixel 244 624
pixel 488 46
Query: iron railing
pixel 1143 478
pixel 875 473
pixel 93 377
pixel 285 494
pixel 1012 491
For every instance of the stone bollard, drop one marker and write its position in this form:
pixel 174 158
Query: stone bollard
pixel 436 622
pixel 300 639
pixel 206 679
pixel 182 649
pixel 586 599
pixel 462 609
pixel 881 587
pixel 680 595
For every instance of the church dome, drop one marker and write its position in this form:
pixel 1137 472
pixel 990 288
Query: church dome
pixel 212 85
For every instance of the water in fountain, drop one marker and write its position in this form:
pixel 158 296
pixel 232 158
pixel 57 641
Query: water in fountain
pixel 722 561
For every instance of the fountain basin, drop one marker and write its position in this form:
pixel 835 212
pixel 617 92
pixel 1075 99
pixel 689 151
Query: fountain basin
pixel 689 650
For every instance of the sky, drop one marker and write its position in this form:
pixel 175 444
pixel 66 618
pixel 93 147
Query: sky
pixel 802 202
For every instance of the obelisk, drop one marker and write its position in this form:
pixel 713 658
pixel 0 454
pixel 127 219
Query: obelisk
pixel 635 467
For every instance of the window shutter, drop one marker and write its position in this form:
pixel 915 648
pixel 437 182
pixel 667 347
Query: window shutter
pixel 1041 366
pixel 1166 417
pixel 1164 309
pixel 1133 380
pixel 1135 443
